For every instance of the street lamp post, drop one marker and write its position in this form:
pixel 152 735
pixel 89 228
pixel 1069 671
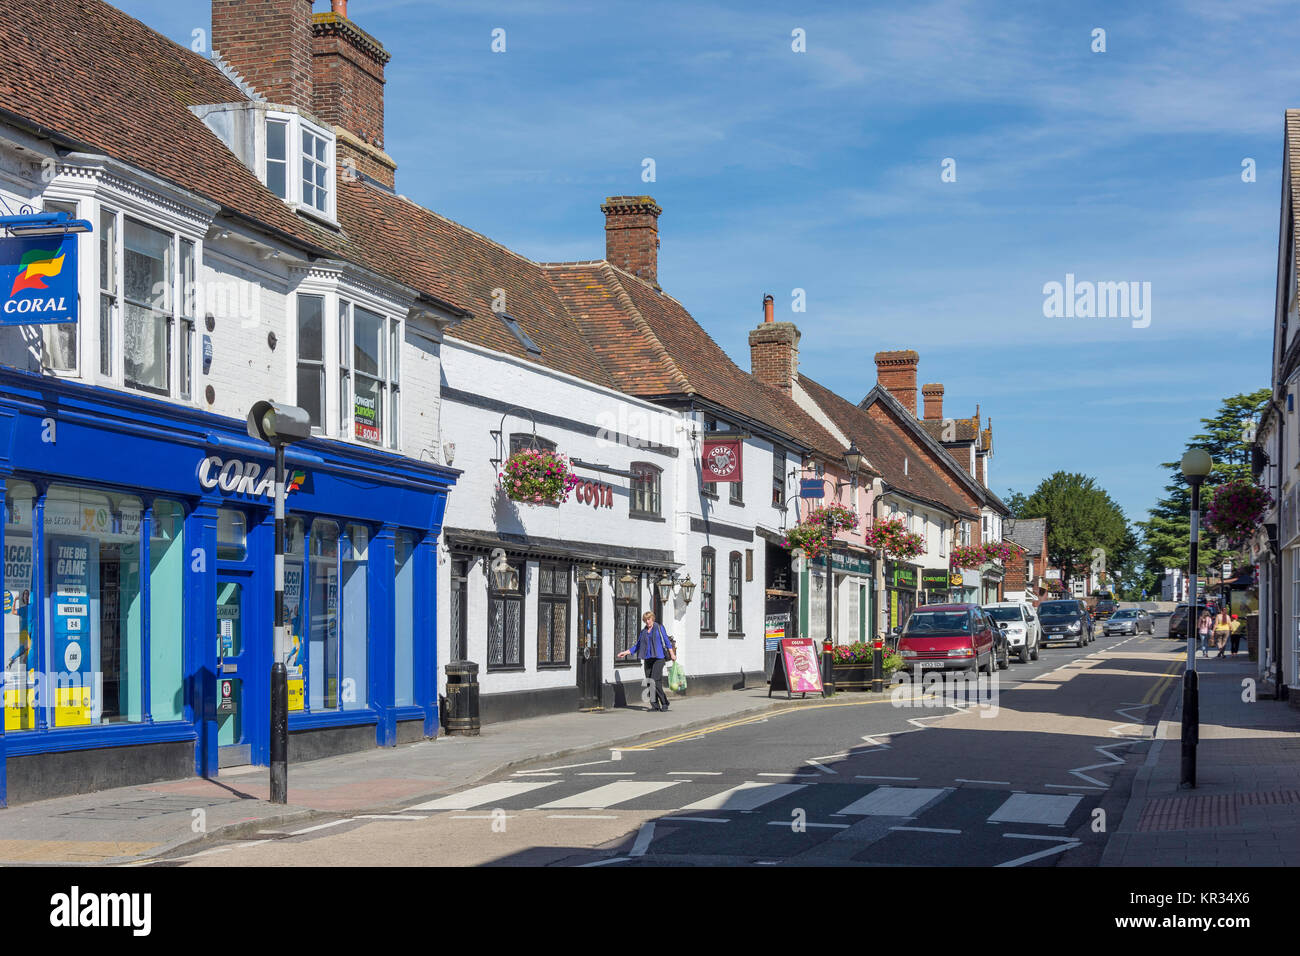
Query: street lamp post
pixel 1196 465
pixel 280 425
pixel 852 462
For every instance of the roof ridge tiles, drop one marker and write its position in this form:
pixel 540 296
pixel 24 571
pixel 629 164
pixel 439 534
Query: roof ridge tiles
pixel 657 345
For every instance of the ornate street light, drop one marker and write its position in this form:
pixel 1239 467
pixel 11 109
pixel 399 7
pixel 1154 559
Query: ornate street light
pixel 688 589
pixel 591 581
pixel 665 587
pixel 853 459
pixel 628 586
pixel 504 575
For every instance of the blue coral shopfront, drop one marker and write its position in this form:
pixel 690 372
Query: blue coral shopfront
pixel 138 545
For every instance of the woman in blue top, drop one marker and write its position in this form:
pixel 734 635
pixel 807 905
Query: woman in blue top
pixel 653 646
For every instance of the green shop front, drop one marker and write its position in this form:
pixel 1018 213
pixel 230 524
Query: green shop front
pixel 901 582
pixel 854 596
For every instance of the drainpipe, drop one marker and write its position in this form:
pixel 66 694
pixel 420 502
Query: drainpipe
pixel 1279 689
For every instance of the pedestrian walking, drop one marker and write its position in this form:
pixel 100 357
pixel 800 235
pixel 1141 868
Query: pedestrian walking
pixel 1203 631
pixel 1222 627
pixel 654 647
pixel 1235 634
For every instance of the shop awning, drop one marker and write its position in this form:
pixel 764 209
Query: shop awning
pixel 526 546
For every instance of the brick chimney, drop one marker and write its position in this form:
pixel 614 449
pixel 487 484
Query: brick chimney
pixel 348 91
pixel 896 373
pixel 269 44
pixel 632 235
pixel 933 394
pixel 774 350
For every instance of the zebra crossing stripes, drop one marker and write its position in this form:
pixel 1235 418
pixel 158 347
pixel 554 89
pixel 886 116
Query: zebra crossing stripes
pixel 608 795
pixel 893 801
pixel 1048 809
pixel 747 796
pixel 488 793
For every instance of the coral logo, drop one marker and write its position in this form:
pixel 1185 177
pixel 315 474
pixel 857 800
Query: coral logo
pixel 35 267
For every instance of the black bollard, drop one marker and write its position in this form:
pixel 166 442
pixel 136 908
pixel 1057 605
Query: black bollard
pixel 1191 727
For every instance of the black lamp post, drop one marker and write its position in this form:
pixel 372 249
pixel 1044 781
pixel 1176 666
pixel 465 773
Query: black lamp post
pixel 852 462
pixel 280 425
pixel 1196 465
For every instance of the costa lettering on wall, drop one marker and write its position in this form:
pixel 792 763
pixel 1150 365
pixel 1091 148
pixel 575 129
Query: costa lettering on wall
pixel 594 493
pixel 722 459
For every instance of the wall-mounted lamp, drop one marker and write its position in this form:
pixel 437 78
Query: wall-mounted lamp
pixel 504 575
pixel 668 581
pixel 628 586
pixel 591 581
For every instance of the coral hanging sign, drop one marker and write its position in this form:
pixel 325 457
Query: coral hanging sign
pixel 722 459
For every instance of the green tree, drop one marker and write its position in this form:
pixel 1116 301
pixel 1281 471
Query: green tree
pixel 1086 529
pixel 1016 503
pixel 1227 436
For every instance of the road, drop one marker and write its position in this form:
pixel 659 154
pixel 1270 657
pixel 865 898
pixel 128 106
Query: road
pixel 1028 774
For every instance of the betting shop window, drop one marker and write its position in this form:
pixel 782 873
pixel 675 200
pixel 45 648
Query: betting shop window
pixel 19 608
pixel 167 562
pixel 354 568
pixel 404 591
pixel 323 604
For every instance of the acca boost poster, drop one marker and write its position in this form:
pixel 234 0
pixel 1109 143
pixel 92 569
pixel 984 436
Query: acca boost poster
pixel 19 662
pixel 71 560
pixel 297 650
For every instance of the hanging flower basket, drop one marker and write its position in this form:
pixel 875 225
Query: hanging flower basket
pixel 1000 550
pixel 891 537
pixel 815 532
pixel 534 476
pixel 1237 510
pixel 967 556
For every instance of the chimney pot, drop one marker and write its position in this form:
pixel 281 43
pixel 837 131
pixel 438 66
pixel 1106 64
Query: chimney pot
pixel 768 305
pixel 340 7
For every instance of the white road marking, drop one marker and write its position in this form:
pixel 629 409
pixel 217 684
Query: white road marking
pixel 747 796
pixel 1043 808
pixel 1071 786
pixel 571 766
pixel 700 819
pixel 1029 858
pixel 579 816
pixel 998 783
pixel 822 767
pixel 390 816
pixel 831 757
pixel 604 797
pixel 608 773
pixel 925 829
pixel 1111 759
pixel 536 773
pixel 478 796
pixel 863 776
pixel 893 801
pixel 695 773
pixel 832 826
pixel 612 859
pixel 319 826
pixel 787 773
pixel 643 838
pixel 484 816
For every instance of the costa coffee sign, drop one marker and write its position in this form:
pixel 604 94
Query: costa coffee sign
pixel 722 459
pixel 594 493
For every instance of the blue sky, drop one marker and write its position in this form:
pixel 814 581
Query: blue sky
pixel 821 171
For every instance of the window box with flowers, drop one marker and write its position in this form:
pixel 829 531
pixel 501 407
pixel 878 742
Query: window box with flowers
pixel 815 532
pixel 854 669
pixel 534 476
pixel 891 537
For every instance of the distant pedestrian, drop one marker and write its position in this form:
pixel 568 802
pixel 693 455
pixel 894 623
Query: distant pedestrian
pixel 1203 630
pixel 1222 627
pixel 1235 634
pixel 653 646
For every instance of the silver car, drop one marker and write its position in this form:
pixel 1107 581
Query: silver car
pixel 1129 620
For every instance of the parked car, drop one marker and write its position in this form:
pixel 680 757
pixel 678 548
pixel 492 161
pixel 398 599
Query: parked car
pixel 1024 633
pixel 949 637
pixel 1065 622
pixel 1129 621
pixel 1178 620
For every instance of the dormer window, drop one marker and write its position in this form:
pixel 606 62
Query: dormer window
pixel 299 163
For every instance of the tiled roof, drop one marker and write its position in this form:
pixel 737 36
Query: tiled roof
pixel 1026 532
pixel 886 450
pixel 1293 162
pixel 964 429
pixel 653 348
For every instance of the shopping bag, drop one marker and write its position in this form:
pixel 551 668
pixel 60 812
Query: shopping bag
pixel 676 677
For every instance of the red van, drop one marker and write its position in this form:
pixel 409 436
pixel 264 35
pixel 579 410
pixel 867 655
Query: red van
pixel 948 637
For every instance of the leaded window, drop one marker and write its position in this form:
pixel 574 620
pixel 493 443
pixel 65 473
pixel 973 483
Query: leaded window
pixel 459 649
pixel 734 620
pixel 553 614
pixel 708 572
pixel 627 619
pixel 645 499
pixel 505 623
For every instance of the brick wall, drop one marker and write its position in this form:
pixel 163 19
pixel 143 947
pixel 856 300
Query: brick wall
pixel 348 77
pixel 896 372
pixel 268 42
pixel 774 354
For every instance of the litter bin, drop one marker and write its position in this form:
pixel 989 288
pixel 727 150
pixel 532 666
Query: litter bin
pixel 462 698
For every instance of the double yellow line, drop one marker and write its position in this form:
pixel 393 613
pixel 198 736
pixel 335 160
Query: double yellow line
pixel 1166 680
pixel 754 718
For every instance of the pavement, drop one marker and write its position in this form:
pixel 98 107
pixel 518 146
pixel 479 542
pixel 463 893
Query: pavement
pixel 1245 808
pixel 129 824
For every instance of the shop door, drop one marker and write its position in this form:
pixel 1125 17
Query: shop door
pixel 243 657
pixel 589 656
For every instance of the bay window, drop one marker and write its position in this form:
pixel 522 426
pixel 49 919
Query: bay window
pixel 298 163
pixel 59 341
